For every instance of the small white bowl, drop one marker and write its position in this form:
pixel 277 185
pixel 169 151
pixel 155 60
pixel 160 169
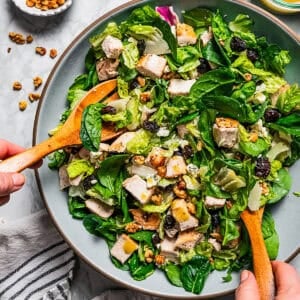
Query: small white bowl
pixel 21 4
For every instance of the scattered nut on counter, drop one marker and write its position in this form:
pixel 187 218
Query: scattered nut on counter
pixel 34 97
pixel 40 50
pixel 17 38
pixel 53 53
pixel 29 39
pixel 37 82
pixel 45 4
pixel 17 86
pixel 22 105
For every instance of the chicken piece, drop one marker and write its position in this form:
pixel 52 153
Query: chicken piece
pixel 123 248
pixel 180 87
pixel 212 202
pixel 181 214
pixel 217 246
pixel 168 249
pixel 225 132
pixel 112 47
pixel 64 180
pixel 99 208
pixel 119 145
pixel 185 34
pixel 151 65
pixel 137 187
pixel 149 221
pixel 107 68
pixel 176 166
pixel 206 36
pixel 188 239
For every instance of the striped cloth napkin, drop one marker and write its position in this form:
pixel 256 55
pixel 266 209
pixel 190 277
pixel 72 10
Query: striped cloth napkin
pixel 35 262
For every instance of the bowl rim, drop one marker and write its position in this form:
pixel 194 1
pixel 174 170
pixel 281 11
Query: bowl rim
pixel 91 26
pixel 41 13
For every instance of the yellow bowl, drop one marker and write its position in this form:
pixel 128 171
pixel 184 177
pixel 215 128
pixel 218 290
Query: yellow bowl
pixel 282 6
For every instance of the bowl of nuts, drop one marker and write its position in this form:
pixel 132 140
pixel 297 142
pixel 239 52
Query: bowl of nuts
pixel 43 8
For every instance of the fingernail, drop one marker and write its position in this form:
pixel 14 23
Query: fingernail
pixel 18 179
pixel 244 275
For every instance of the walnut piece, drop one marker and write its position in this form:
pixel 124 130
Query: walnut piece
pixel 37 82
pixel 40 50
pixel 17 86
pixel 22 105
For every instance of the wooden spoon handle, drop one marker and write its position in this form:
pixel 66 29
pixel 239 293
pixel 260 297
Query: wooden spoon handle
pixel 261 262
pixel 23 160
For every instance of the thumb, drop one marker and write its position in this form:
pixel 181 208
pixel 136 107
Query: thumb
pixel 248 289
pixel 10 182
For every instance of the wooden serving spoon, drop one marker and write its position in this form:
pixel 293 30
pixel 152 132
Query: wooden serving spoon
pixel 261 262
pixel 68 135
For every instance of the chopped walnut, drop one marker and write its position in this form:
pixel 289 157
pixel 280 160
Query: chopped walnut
pixel 53 53
pixel 191 208
pixel 34 97
pixel 248 76
pixel 132 227
pixel 160 259
pixel 45 4
pixel 180 193
pixel 17 86
pixel 149 255
pixel 22 105
pixel 138 159
pixel 161 171
pixel 8 50
pixel 17 38
pixel 40 50
pixel 37 82
pixel 29 39
pixel 156 199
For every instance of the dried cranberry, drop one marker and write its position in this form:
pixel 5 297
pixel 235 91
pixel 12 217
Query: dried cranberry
pixel 237 44
pixel 133 85
pixel 88 182
pixel 141 45
pixel 271 115
pixel 109 110
pixel 150 125
pixel 187 151
pixel 215 218
pixel 155 238
pixel 169 222
pixel 262 167
pixel 204 66
pixel 252 55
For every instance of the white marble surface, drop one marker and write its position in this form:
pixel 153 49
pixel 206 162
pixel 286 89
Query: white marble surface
pixel 22 64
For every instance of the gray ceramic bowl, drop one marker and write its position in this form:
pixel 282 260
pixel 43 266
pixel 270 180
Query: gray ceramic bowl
pixel 93 250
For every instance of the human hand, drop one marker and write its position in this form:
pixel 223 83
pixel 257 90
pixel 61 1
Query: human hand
pixel 287 282
pixel 9 182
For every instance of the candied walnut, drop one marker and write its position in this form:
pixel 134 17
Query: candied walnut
pixel 34 97
pixel 18 38
pixel 248 76
pixel 160 259
pixel 30 3
pixel 29 39
pixel 191 208
pixel 141 81
pixel 53 53
pixel 17 86
pixel 149 255
pixel 161 171
pixel 156 199
pixel 149 221
pixel 40 50
pixel 37 82
pixel 132 227
pixel 180 193
pixel 264 188
pixel 22 105
pixel 253 137
pixel 138 159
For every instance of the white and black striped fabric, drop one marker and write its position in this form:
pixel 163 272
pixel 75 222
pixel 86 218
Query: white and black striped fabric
pixel 35 262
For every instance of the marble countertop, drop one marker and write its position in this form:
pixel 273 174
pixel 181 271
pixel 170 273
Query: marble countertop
pixel 20 63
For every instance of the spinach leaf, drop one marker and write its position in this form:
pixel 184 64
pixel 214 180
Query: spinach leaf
pixel 57 159
pixel 77 208
pixel 289 100
pixel 270 235
pixel 289 124
pixel 109 170
pixel 210 81
pixel 140 270
pixel 198 17
pixel 172 272
pixel 91 125
pixel 143 236
pixel 211 52
pixel 194 273
pixel 228 229
pixel 205 128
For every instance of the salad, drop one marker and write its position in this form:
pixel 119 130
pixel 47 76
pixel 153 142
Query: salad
pixel 208 127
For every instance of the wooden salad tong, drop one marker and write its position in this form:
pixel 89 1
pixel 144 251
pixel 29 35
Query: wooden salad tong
pixel 261 262
pixel 68 135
